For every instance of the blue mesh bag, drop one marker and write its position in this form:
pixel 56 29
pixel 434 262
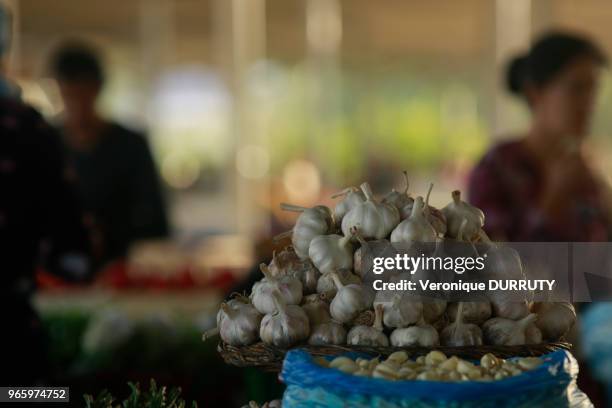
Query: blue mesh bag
pixel 553 384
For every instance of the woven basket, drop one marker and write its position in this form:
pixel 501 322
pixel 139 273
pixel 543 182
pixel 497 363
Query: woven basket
pixel 271 359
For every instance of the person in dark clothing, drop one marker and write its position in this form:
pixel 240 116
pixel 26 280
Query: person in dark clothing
pixel 115 173
pixel 40 224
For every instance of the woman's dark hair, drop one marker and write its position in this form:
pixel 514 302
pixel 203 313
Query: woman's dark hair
pixel 548 56
pixel 76 61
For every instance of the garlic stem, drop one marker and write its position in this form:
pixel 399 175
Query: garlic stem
pixel 344 192
pixel 378 319
pixel 337 281
pixel 405 173
pixel 292 207
pixel 456 196
pixel 265 270
pixel 278 302
pixel 367 191
pixel 355 232
pixel 459 316
pixel 417 206
pixel 427 196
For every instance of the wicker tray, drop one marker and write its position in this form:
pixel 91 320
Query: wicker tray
pixel 271 359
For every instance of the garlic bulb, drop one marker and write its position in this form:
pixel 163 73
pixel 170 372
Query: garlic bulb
pixel 473 312
pixel 459 333
pixel 286 326
pixel 433 309
pixel 311 223
pixel 369 335
pixel 415 228
pixel 373 219
pixel 400 309
pixel 317 309
pixel 456 211
pixel 555 319
pixel 287 263
pixel 351 197
pixel 327 333
pixel 327 287
pixel 507 307
pixel 331 252
pixel 433 215
pixel 238 326
pixel 349 300
pixel 288 287
pixel 505 332
pixel 399 199
pixel 423 335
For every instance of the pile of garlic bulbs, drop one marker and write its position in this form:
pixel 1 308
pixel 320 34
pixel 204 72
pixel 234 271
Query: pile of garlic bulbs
pixel 435 366
pixel 315 291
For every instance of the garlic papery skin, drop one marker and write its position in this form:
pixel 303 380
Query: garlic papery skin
pixel 239 326
pixel 505 332
pixel 456 211
pixel 505 306
pixel 287 326
pixel 349 301
pixel 288 288
pixel 399 199
pixel 459 333
pixel 555 319
pixel 311 223
pixel 433 309
pixel 473 312
pixel 415 228
pixel 373 219
pixel 317 309
pixel 331 252
pixel 400 309
pixel 327 287
pixel 327 333
pixel 423 335
pixel 369 335
pixel 287 263
pixel 351 197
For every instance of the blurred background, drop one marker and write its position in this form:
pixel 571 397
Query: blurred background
pixel 247 104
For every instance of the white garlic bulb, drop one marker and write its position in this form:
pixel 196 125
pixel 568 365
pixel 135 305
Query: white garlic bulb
pixel 456 211
pixel 400 309
pixel 423 335
pixel 433 309
pixel 288 287
pixel 369 335
pixel 331 252
pixel 349 301
pixel 238 326
pixel 555 319
pixel 287 263
pixel 415 228
pixel 327 333
pixel 316 308
pixel 505 332
pixel 373 219
pixel 473 312
pixel 351 197
pixel 433 215
pixel 311 223
pixel 399 199
pixel 327 287
pixel 508 307
pixel 286 326
pixel 459 333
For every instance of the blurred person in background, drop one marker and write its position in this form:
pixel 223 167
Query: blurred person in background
pixel 116 177
pixel 40 225
pixel 540 187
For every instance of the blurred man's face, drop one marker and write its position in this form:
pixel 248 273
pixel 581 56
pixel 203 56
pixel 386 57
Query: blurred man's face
pixel 565 105
pixel 79 100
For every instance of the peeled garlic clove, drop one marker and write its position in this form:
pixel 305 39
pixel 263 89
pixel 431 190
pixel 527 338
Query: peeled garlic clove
pixel 369 336
pixel 555 319
pixel 398 356
pixel 529 363
pixel 338 361
pixel 449 364
pixel 351 197
pixel 348 368
pixel 428 376
pixel 373 219
pixel 331 252
pixel 456 212
pixel 506 332
pixel 435 357
pixel 311 223
pixel 415 228
pixel 287 287
pixel 327 333
pixel 464 367
pixel 459 333
pixel 473 312
pixel 349 301
pixel 285 327
pixel 489 361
